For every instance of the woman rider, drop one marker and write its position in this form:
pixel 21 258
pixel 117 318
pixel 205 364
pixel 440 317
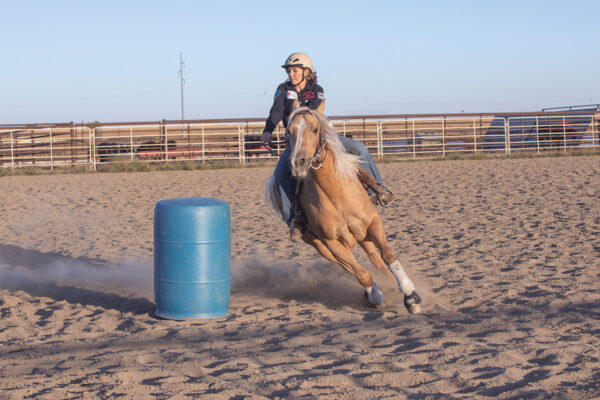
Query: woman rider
pixel 302 86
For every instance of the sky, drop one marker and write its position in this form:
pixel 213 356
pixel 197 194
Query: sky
pixel 118 61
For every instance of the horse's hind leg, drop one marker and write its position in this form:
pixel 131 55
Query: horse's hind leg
pixel 374 256
pixel 376 234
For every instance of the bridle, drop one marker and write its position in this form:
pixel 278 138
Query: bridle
pixel 316 161
pixel 320 153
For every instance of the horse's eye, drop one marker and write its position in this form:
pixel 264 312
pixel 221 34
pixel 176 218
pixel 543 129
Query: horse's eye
pixel 315 130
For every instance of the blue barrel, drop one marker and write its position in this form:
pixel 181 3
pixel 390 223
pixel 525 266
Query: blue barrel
pixel 192 251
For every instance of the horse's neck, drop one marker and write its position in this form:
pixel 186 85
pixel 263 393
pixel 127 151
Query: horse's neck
pixel 326 178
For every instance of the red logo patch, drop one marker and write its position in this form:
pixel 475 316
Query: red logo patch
pixel 308 95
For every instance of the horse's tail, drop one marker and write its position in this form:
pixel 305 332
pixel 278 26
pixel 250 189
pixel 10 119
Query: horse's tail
pixel 272 198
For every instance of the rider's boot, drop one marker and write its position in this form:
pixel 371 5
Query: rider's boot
pixel 382 195
pixel 298 226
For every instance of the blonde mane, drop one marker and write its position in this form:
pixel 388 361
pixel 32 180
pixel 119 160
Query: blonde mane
pixel 346 164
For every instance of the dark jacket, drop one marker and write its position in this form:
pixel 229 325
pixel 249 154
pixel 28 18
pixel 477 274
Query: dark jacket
pixel 283 104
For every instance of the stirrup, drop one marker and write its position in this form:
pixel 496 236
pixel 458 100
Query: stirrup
pixel 386 198
pixel 383 200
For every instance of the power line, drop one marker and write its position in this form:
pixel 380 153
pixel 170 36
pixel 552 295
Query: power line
pixel 181 65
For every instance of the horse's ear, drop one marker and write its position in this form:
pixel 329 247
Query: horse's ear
pixel 296 104
pixel 321 107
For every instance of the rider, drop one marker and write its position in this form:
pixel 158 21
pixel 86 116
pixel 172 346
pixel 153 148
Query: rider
pixel 302 86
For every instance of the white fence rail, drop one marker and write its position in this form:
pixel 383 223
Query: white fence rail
pixel 409 137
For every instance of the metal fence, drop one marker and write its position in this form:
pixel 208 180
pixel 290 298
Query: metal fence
pixel 395 136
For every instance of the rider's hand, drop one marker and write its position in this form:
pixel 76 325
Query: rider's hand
pixel 266 138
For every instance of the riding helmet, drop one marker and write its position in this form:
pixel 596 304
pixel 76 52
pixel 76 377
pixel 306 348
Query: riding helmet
pixel 298 60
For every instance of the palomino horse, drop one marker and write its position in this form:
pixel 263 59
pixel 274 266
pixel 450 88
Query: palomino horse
pixel 339 212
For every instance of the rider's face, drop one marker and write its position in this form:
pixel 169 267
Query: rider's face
pixel 295 74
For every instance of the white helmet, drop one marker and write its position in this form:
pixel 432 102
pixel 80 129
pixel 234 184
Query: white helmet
pixel 298 60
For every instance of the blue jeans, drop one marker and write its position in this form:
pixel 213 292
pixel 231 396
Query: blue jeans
pixel 286 183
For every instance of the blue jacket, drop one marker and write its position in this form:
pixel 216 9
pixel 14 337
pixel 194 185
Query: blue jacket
pixel 283 103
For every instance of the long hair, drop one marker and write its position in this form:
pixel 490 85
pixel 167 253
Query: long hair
pixel 345 164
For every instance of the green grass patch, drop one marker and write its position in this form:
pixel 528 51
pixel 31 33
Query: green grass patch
pixel 133 166
pixel 80 169
pixel 30 171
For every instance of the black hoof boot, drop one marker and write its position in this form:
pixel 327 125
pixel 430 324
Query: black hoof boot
pixel 413 303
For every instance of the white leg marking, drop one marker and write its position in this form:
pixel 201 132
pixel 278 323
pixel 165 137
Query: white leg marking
pixel 404 282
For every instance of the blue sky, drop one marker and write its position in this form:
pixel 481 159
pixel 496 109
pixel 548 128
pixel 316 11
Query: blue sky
pixel 116 61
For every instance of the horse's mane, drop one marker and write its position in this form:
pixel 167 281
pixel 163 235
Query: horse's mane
pixel 346 164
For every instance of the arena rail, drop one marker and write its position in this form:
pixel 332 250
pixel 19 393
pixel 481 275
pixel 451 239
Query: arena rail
pixel 237 140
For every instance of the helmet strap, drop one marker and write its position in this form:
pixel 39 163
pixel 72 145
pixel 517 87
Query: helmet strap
pixel 303 76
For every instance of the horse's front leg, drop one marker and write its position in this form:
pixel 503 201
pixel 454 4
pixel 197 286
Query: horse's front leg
pixel 337 252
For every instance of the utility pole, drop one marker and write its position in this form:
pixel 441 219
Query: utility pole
pixel 181 65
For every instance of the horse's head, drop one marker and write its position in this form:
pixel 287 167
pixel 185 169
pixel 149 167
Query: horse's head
pixel 305 140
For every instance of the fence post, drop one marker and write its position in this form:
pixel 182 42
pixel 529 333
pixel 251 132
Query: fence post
pixel 12 153
pixel 166 128
pixel 73 150
pixel 379 140
pixel 241 144
pixel 564 134
pixel 414 140
pixel 203 148
pixel 594 131
pixel 95 145
pixel 537 133
pixel 444 137
pixel 51 152
pixel 131 143
pixel 507 135
pixel 475 134
pixel 90 148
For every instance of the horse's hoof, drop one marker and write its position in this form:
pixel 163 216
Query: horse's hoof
pixel 375 297
pixel 295 234
pixel 413 303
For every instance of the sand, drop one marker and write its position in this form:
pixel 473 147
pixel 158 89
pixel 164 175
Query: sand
pixel 504 252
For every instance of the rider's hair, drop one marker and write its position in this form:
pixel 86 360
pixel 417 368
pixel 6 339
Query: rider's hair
pixel 312 76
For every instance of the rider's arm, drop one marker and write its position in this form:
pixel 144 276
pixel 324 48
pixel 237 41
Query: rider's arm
pixel 276 113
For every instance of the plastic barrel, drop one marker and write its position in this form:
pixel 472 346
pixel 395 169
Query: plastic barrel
pixel 192 250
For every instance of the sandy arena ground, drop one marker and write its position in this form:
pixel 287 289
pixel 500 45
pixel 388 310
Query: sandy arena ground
pixel 505 253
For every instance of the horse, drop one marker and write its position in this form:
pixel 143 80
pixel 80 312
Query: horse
pixel 338 210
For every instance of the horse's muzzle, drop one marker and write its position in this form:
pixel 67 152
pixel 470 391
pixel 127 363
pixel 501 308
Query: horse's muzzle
pixel 300 165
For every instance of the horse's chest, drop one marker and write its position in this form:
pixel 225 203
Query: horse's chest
pixel 335 221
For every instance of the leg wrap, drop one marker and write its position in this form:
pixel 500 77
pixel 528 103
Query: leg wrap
pixel 404 282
